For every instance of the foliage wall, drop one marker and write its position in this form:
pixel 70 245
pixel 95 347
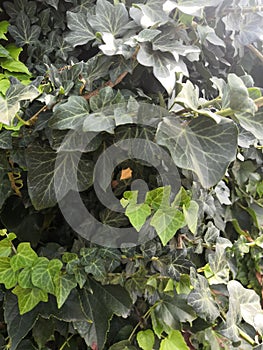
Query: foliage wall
pixel 131 189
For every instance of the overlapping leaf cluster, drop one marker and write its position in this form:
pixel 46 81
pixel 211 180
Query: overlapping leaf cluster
pixel 180 78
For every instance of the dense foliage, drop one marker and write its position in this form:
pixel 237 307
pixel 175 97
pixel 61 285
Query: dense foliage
pixel 131 193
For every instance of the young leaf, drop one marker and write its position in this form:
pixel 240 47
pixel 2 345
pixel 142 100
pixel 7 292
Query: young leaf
pixel 167 221
pixel 159 197
pixel 28 298
pixel 191 215
pixel 145 339
pixel 174 341
pixel 7 275
pixel 137 214
pixel 25 257
pixel 44 273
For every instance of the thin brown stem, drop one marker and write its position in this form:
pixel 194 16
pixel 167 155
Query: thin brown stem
pixel 256 52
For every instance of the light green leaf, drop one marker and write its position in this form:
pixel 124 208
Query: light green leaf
pixel 70 115
pixel 145 339
pixel 10 104
pixel 3 52
pixel 80 30
pixel 201 298
pixel 202 145
pixel 5 247
pixel 174 341
pixel 51 175
pixel 191 215
pixel 29 298
pixel 137 214
pixel 167 221
pixel 24 278
pixel 63 286
pixel 3 29
pixel 15 66
pixel 44 273
pixel 7 275
pixel 159 197
pixel 25 257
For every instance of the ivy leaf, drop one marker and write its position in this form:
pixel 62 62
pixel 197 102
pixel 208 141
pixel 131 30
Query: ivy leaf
pixel 150 14
pixel 44 173
pixel 3 29
pixel 167 221
pixel 15 66
pixel 70 115
pixel 44 273
pixel 25 257
pixel 110 18
pixel 24 278
pixel 239 99
pixel 28 298
pixel 252 123
pixel 10 104
pixel 191 215
pixel 246 301
pixel 17 326
pixel 5 247
pixel 145 339
pixel 81 32
pixel 163 63
pixel 174 341
pixel 53 3
pixel 7 275
pixel 159 197
pixel 201 298
pixel 63 286
pixel 137 214
pixel 174 310
pixel 23 32
pixel 203 146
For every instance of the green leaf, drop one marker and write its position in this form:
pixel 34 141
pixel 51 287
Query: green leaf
pixel 171 311
pixel 70 115
pixel 104 98
pixel 201 145
pixel 24 278
pixel 201 298
pixel 252 123
pixel 63 286
pixel 25 257
pixel 238 95
pixel 51 175
pixel 44 272
pixel 122 345
pixel 152 13
pixel 3 52
pixel 191 215
pixel 17 326
pixel 145 339
pixel 163 63
pixel 3 29
pixel 137 214
pixel 14 66
pixel 23 32
pixel 159 197
pixel 110 18
pixel 7 275
pixel 167 221
pixel 28 298
pixel 5 247
pixel 81 32
pixel 10 104
pixel 5 139
pixel 174 341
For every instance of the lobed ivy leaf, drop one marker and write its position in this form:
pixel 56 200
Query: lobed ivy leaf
pixel 70 115
pixel 23 32
pixel 28 298
pixel 159 197
pixel 202 145
pixel 10 104
pixel 63 286
pixel 167 221
pixel 110 18
pixel 252 123
pixel 239 99
pixel 200 298
pixel 150 14
pixel 24 278
pixel 49 178
pixel 25 257
pixel 7 275
pixel 44 272
pixel 138 214
pixel 191 215
pixel 81 31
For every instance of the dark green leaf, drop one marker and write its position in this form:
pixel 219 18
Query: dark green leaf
pixel 23 32
pixel 63 286
pixel 81 32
